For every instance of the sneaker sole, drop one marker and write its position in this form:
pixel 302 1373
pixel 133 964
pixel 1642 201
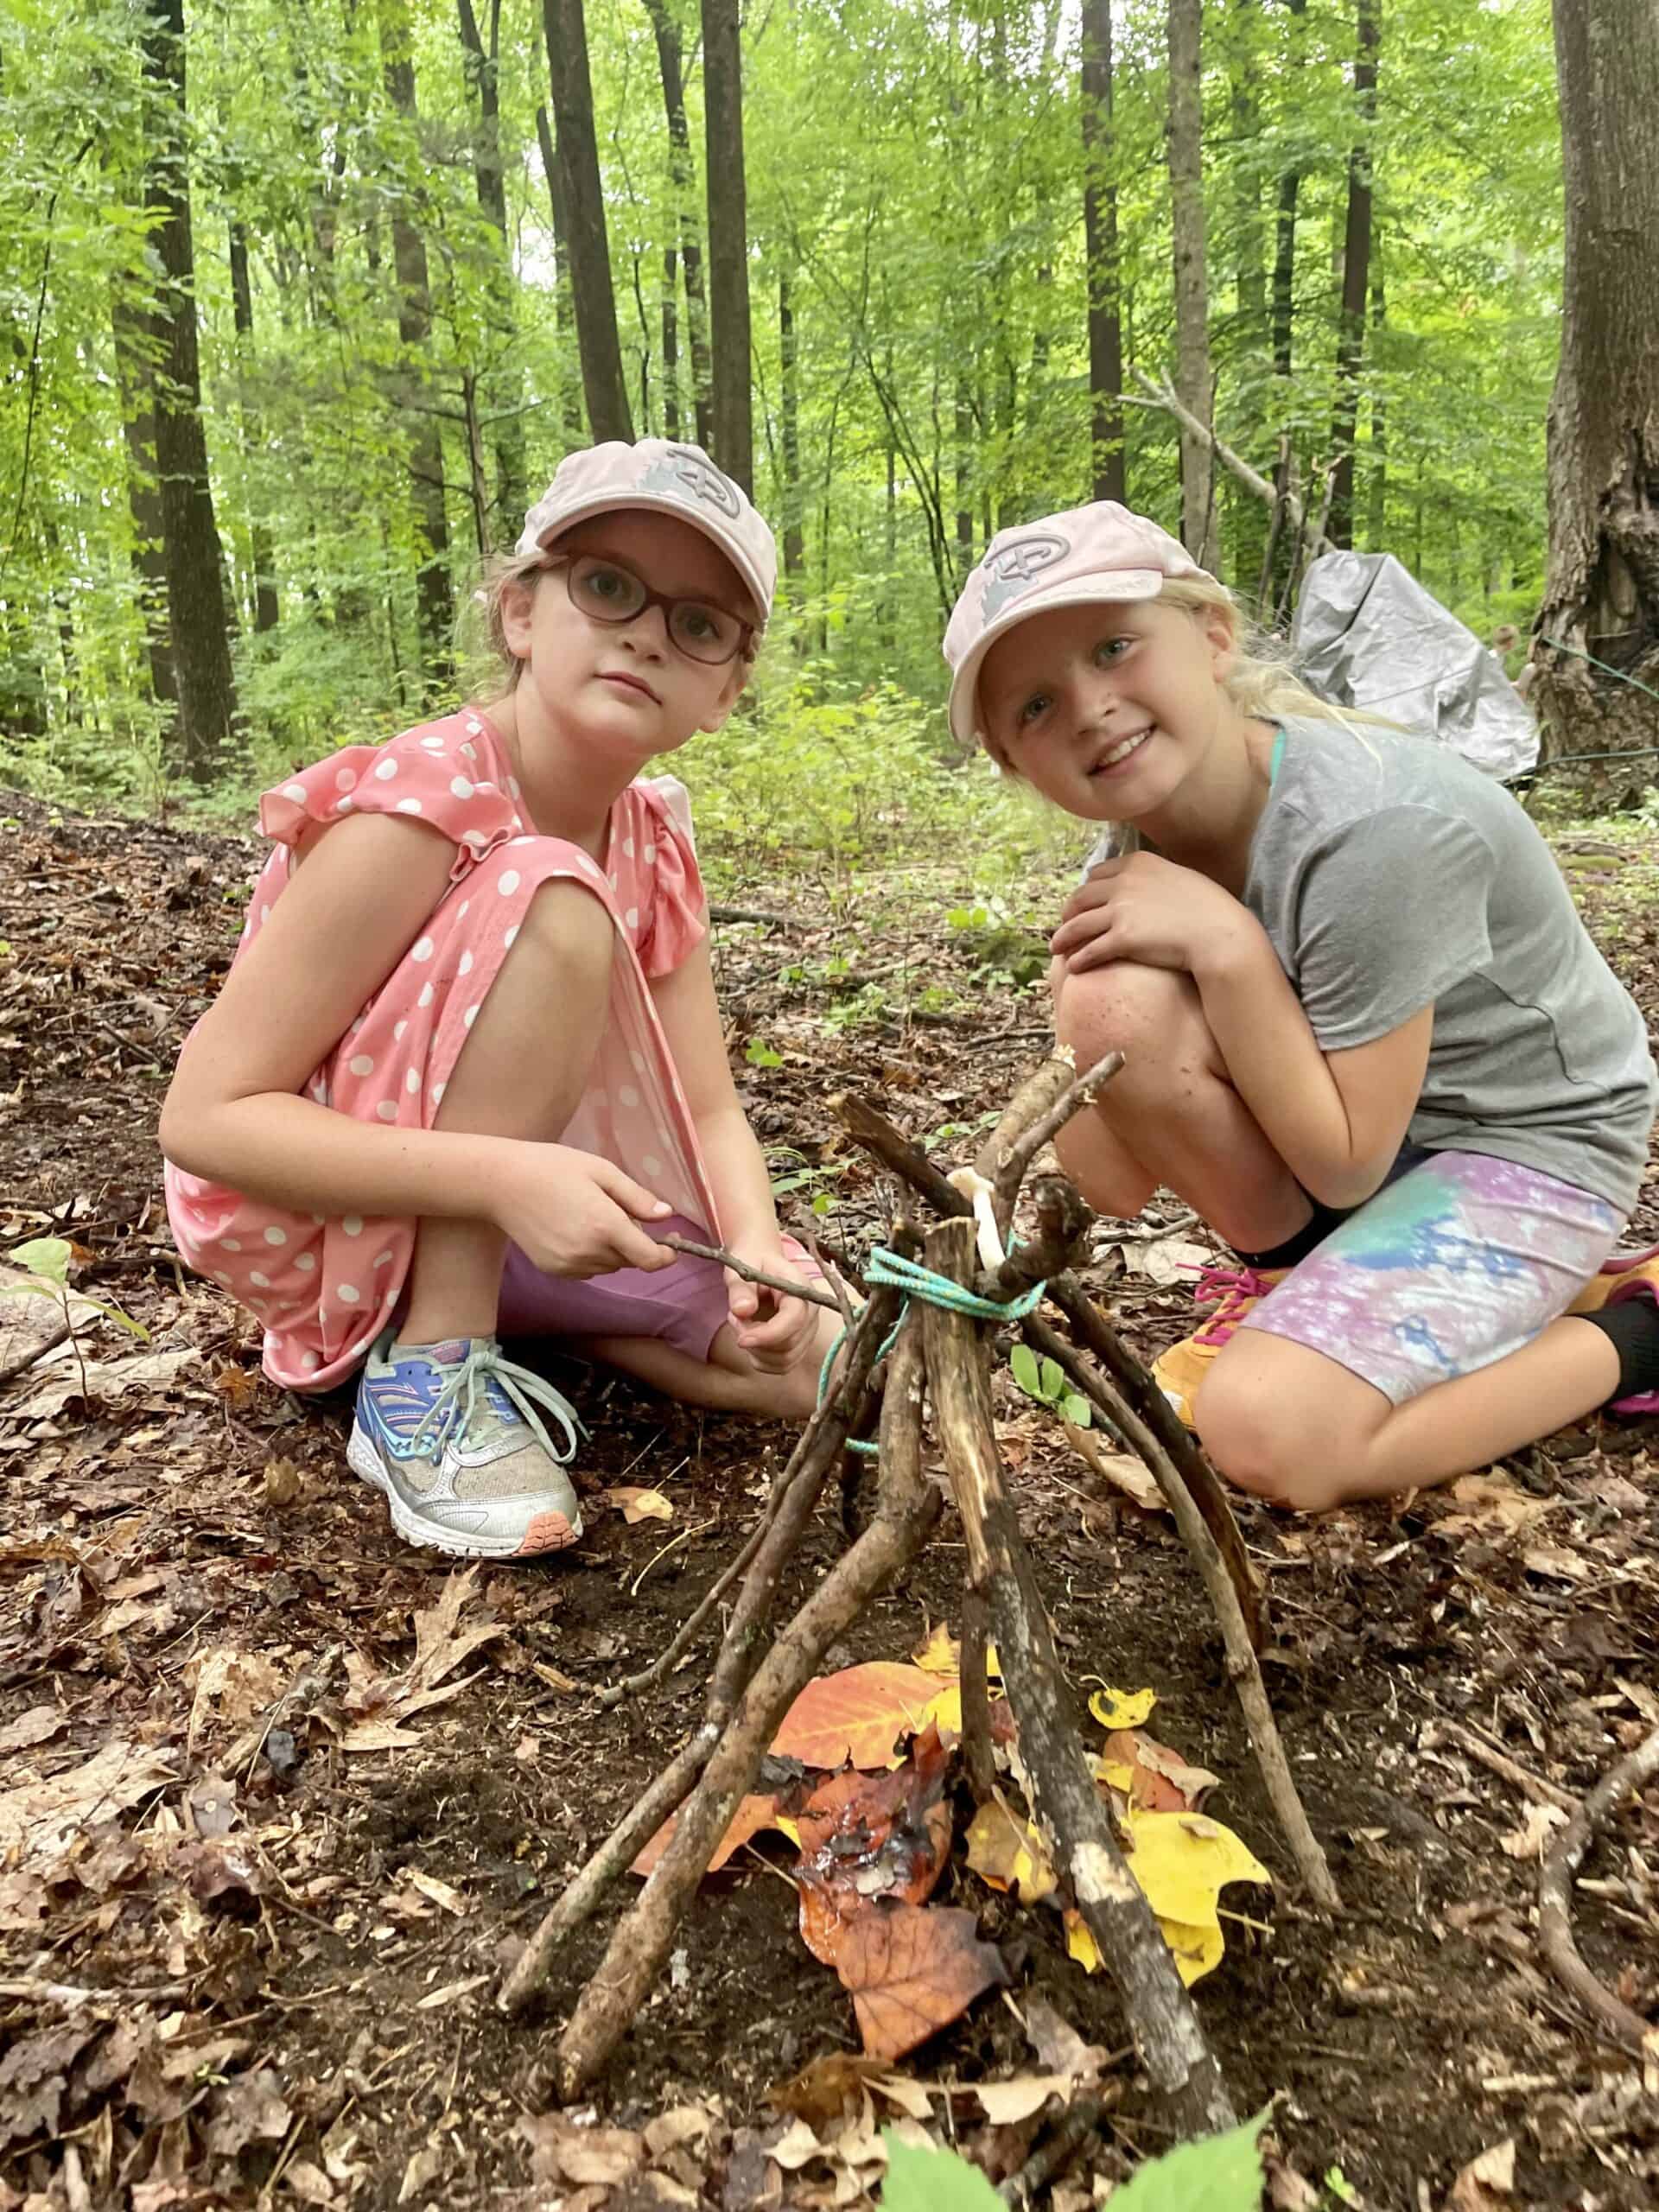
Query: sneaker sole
pixel 544 1532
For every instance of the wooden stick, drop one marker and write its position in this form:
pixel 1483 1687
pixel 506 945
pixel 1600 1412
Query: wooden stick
pixel 1243 1667
pixel 1555 1876
pixel 790 1289
pixel 1008 1176
pixel 640 1946
pixel 976 1752
pixel 1071 1810
pixel 877 1135
pixel 1487 1754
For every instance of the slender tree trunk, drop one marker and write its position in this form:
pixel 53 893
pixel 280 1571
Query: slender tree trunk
pixel 1248 517
pixel 581 202
pixel 135 376
pixel 1602 597
pixel 728 239
pixel 563 308
pixel 435 607
pixel 1376 528
pixel 483 68
pixel 670 344
pixel 671 66
pixel 1356 272
pixel 1283 326
pixel 794 538
pixel 195 593
pixel 1192 295
pixel 267 611
pixel 964 480
pixel 1109 472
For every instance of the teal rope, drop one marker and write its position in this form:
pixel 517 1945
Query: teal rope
pixel 892 1271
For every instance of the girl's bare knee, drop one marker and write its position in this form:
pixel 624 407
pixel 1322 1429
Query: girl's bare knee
pixel 1120 1007
pixel 1242 1425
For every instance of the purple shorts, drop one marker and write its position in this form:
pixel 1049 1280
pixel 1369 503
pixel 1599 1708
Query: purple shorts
pixel 683 1304
pixel 1459 1259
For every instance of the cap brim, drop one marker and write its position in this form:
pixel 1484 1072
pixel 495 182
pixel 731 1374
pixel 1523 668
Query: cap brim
pixel 608 504
pixel 1080 591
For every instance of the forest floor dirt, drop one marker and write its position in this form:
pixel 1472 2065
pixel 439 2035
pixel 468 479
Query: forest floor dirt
pixel 247 1957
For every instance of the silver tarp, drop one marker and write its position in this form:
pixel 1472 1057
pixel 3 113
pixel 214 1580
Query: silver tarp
pixel 1367 634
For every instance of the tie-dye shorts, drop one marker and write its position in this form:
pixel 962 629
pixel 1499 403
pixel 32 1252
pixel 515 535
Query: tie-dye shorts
pixel 1459 1259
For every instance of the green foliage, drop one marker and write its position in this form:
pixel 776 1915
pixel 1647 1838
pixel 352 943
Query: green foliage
pixel 46 1259
pixel 1045 1379
pixel 1221 2174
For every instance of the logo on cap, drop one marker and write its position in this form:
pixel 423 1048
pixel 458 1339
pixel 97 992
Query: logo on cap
pixel 682 471
pixel 1013 568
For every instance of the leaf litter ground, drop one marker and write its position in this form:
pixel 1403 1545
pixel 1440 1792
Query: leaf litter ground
pixel 291 1790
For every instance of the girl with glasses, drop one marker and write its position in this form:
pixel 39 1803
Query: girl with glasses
pixel 467 1067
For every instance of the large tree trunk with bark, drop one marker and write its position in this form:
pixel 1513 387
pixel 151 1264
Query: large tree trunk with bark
pixel 483 65
pixel 435 607
pixel 136 375
pixel 581 199
pixel 1191 289
pixel 267 611
pixel 195 591
pixel 728 239
pixel 1356 271
pixel 1602 598
pixel 670 66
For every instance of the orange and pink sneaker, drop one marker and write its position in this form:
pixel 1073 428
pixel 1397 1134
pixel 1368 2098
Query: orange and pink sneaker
pixel 1232 1289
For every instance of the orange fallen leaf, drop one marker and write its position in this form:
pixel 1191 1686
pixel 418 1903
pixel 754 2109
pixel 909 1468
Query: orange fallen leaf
pixel 913 1969
pixel 1159 1778
pixel 754 1813
pixel 870 1839
pixel 855 1716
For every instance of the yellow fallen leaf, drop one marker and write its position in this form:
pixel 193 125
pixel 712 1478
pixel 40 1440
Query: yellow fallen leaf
pixel 1181 1861
pixel 1080 1943
pixel 1121 1708
pixel 641 1504
pixel 1008 1854
pixel 942 1655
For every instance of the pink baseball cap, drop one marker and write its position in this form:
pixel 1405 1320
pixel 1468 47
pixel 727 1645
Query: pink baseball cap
pixel 668 479
pixel 1087 555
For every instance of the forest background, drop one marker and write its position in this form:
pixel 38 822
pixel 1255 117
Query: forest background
pixel 303 302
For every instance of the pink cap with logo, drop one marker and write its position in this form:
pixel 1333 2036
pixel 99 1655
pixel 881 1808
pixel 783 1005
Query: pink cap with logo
pixel 1086 557
pixel 668 479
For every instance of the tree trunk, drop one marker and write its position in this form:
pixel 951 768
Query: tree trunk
pixel 563 310
pixel 267 611
pixel 581 201
pixel 794 538
pixel 1602 597
pixel 1276 572
pixel 1356 272
pixel 964 480
pixel 195 593
pixel 1376 527
pixel 135 376
pixel 671 67
pixel 1248 516
pixel 670 344
pixel 1109 473
pixel 435 608
pixel 728 239
pixel 1191 295
pixel 483 69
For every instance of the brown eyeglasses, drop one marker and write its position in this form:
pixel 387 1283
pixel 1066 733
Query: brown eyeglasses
pixel 606 592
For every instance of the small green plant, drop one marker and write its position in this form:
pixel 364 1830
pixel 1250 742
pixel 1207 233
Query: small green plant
pixel 46 1259
pixel 1221 2174
pixel 1045 1379
pixel 759 1054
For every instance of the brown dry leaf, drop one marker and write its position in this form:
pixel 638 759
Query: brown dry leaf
pixel 855 1717
pixel 61 1378
pixel 1158 1778
pixel 439 1892
pixel 1060 2049
pixel 37 1725
pixel 37 1818
pixel 1490 1506
pixel 913 1969
pixel 231 1687
pixel 1121 1469
pixel 827 2089
pixel 563 2150
pixel 1485 2180
pixel 1557 1564
pixel 755 1813
pixel 679 2124
pixel 441 1646
pixel 1533 1836
pixel 1006 2103
pixel 285 1484
pixel 638 1505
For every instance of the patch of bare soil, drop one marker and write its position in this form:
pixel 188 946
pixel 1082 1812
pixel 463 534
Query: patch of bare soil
pixel 278 1794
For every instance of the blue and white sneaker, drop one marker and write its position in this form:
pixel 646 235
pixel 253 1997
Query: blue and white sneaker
pixel 450 1432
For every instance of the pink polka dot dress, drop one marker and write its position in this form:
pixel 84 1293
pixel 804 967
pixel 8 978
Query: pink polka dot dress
pixel 325 1288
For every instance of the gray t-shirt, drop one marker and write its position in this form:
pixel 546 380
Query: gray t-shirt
pixel 1391 875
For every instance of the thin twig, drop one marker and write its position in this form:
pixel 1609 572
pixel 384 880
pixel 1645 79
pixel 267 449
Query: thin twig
pixel 1487 1754
pixel 790 1288
pixel 1070 1102
pixel 1062 2143
pixel 1555 1876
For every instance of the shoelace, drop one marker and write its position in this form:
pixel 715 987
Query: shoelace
pixel 456 1405
pixel 1230 1290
